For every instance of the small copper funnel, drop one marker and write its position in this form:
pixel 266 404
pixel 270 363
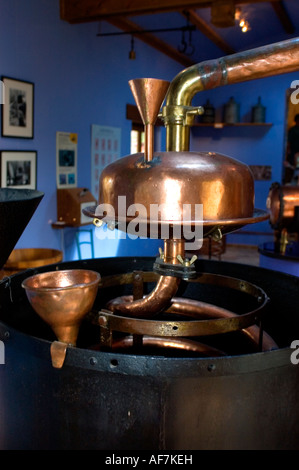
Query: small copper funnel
pixel 62 299
pixel 149 94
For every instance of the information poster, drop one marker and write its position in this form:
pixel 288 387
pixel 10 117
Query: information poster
pixel 105 149
pixel 66 159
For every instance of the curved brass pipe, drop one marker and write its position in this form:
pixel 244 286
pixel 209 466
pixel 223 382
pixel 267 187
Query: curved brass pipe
pixel 273 59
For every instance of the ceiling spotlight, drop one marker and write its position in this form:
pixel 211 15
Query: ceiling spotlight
pixel 241 18
pixel 245 27
pixel 132 53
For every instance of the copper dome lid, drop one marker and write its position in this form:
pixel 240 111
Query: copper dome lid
pixel 168 190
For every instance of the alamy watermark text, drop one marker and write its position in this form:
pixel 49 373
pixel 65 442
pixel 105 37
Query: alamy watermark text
pixel 178 221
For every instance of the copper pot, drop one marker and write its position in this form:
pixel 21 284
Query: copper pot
pixel 281 203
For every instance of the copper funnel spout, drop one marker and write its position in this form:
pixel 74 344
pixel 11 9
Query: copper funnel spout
pixel 149 94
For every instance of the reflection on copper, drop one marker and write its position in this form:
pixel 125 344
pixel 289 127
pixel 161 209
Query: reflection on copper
pixel 215 195
pixel 62 299
pixel 171 209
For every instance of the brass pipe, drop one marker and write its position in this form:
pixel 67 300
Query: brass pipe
pixel 274 59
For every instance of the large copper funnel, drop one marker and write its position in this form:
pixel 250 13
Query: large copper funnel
pixel 62 299
pixel 149 94
pixel 17 206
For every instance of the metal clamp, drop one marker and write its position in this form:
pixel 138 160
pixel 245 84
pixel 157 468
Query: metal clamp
pixel 185 270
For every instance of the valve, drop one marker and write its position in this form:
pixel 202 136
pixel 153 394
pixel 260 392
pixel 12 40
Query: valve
pixel 186 261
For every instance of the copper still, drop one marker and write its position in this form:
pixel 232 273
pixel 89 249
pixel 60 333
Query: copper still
pixel 173 352
pixel 281 203
pixel 223 186
pixel 283 206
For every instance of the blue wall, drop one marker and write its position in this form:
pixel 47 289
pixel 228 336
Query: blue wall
pixel 81 79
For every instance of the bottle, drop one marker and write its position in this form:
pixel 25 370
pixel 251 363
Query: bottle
pixel 209 113
pixel 258 112
pixel 231 112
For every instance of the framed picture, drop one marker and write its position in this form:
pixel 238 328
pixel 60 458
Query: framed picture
pixel 18 169
pixel 17 108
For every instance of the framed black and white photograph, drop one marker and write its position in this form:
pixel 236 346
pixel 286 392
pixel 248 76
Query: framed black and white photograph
pixel 18 169
pixel 17 108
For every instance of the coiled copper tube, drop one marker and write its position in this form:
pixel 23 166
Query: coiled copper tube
pixel 173 343
pixel 195 308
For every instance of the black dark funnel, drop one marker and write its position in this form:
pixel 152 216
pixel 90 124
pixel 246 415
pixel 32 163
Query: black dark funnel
pixel 16 209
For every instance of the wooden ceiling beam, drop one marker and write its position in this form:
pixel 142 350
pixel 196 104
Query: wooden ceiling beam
pixel 75 11
pixel 153 41
pixel 202 26
pixel 78 11
pixel 283 16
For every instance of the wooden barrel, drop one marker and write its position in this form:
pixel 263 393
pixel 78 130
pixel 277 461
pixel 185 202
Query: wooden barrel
pixel 25 258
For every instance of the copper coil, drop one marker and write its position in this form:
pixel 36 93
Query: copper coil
pixel 195 308
pixel 173 343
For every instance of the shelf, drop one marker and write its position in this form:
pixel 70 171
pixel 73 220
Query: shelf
pixel 220 125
